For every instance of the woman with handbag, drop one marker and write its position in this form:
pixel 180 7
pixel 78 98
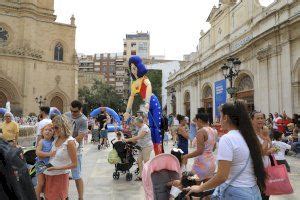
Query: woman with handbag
pixel 262 133
pixel 241 171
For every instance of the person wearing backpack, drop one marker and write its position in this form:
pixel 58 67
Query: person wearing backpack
pixel 15 181
pixel 241 172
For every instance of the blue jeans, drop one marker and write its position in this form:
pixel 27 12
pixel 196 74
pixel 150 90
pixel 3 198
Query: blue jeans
pixel 239 193
pixel 76 172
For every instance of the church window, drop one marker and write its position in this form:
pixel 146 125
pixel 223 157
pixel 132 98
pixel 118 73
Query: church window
pixel 59 52
pixel 3 35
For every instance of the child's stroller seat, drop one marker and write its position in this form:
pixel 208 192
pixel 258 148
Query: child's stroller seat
pixel 159 182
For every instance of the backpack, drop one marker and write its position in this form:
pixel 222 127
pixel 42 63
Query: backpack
pixel 15 182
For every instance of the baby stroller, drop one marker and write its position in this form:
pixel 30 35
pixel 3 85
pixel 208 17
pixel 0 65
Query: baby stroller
pixel 30 158
pixel 95 136
pixel 125 152
pixel 158 172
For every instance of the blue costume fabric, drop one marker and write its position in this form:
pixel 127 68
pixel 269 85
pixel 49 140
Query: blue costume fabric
pixel 154 116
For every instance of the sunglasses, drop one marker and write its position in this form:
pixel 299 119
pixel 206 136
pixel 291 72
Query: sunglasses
pixel 74 111
pixel 56 127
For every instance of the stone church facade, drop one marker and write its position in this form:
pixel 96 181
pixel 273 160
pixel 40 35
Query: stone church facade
pixel 265 39
pixel 37 56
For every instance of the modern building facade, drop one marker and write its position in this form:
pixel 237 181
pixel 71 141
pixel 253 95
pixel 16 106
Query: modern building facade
pixel 265 39
pixel 137 44
pixel 109 68
pixel 37 56
pixel 88 72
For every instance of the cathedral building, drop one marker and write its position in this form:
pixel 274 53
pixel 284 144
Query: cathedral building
pixel 37 57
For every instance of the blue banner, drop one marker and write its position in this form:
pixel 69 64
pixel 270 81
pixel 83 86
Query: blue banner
pixel 220 95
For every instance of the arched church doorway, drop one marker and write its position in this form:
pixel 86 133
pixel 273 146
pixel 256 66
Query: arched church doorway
pixel 58 103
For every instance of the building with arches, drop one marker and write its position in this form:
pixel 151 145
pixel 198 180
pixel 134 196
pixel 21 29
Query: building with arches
pixel 37 56
pixel 265 39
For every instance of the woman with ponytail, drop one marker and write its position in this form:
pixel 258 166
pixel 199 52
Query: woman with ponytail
pixel 241 173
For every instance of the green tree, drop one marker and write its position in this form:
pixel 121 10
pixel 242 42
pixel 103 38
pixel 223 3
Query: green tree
pixel 100 93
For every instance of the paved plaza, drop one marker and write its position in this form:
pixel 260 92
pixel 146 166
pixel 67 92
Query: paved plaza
pixel 99 184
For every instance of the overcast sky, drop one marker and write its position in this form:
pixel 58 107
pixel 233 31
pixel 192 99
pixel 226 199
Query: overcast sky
pixel 174 25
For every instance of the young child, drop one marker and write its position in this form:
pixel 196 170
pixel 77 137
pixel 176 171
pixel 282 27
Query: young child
pixel 280 147
pixel 43 155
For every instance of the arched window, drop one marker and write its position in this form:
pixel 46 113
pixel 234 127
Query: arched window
pixel 245 92
pixel 187 104
pixel 207 97
pixel 59 52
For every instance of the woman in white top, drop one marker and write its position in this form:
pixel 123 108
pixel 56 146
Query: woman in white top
pixel 240 167
pixel 262 133
pixel 57 175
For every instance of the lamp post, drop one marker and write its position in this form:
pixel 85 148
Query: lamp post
pixel 230 70
pixel 40 100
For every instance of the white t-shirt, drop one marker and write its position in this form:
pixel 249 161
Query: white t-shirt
pixel 280 155
pixel 232 147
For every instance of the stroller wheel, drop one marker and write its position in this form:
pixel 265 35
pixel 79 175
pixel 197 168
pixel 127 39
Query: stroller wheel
pixel 137 171
pixel 116 175
pixel 129 177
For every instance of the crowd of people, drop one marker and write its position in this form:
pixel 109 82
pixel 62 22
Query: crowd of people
pixel 243 152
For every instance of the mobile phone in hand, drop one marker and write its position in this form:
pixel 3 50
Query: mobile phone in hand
pixel 49 165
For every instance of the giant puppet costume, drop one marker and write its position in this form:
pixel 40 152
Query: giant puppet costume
pixel 141 85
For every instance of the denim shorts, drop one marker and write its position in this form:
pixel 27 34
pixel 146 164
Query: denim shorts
pixel 76 172
pixel 103 134
pixel 245 193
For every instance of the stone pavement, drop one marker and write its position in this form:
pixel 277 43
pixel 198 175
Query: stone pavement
pixel 99 184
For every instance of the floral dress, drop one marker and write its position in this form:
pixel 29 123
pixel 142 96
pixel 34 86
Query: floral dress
pixel 205 164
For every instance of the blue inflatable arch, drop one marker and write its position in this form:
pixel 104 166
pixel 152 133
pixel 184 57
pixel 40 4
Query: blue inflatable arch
pixel 2 111
pixel 112 113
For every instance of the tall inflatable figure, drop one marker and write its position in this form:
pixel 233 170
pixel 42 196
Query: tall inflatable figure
pixel 141 85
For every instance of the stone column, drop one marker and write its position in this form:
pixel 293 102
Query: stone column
pixel 284 53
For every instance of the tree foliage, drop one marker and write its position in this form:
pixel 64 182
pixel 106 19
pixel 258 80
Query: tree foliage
pixel 100 93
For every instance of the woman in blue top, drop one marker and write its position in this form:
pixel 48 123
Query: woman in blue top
pixel 43 155
pixel 193 132
pixel 183 134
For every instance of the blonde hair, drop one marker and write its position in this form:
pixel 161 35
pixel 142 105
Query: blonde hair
pixel 46 126
pixel 63 122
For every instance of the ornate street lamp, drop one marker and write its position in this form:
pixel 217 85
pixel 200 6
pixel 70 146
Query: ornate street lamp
pixel 230 70
pixel 40 100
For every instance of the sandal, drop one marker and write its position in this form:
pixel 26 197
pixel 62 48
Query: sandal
pixel 138 179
